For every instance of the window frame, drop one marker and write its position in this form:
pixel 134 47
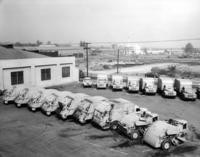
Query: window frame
pixel 65 73
pixel 45 74
pixel 18 78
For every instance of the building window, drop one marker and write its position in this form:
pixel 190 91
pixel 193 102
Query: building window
pixel 45 74
pixel 17 77
pixel 65 71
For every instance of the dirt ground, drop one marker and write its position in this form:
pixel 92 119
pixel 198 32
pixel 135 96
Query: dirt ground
pixel 24 133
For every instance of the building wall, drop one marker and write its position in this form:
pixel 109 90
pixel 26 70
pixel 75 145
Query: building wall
pixel 32 71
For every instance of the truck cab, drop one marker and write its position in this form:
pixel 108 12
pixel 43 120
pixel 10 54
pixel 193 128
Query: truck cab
pixel 23 97
pixel 69 104
pixel 87 82
pixel 117 82
pixel 133 125
pixel 11 94
pixel 148 86
pixel 50 101
pixel 132 84
pixel 184 89
pixel 166 87
pixel 102 81
pixel 110 112
pixel 85 110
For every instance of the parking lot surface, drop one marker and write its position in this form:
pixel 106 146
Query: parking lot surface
pixel 24 133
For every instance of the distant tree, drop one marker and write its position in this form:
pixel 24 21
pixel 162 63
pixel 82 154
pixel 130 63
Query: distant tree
pixel 189 48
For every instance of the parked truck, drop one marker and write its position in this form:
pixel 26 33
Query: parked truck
pixel 11 94
pixel 165 134
pixel 133 125
pixel 110 112
pixel 102 81
pixel 117 82
pixel 69 103
pixel 23 97
pixel 148 85
pixel 184 89
pixel 133 83
pixel 37 99
pixel 50 101
pixel 85 110
pixel 87 82
pixel 166 87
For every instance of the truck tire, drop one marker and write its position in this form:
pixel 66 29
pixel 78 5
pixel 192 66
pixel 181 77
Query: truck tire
pixel 5 102
pixel 166 145
pixel 114 125
pixel 48 113
pixel 135 135
pixel 18 105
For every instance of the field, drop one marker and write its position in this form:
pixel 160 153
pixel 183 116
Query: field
pixel 24 133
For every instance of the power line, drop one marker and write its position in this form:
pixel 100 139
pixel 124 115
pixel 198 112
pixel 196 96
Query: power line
pixel 147 41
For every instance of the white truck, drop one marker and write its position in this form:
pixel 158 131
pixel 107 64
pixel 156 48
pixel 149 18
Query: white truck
pixel 164 134
pixel 11 94
pixel 102 81
pixel 37 99
pixel 85 110
pixel 69 104
pixel 23 97
pixel 87 82
pixel 166 87
pixel 148 86
pixel 50 101
pixel 117 82
pixel 133 83
pixel 110 112
pixel 184 88
pixel 133 125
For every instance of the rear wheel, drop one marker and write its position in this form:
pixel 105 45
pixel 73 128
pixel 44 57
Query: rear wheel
pixel 135 135
pixel 166 145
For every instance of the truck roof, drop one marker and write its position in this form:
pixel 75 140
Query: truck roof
pixel 185 81
pixel 167 79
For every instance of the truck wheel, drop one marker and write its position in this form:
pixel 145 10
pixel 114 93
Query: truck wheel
pixel 5 102
pixel 48 113
pixel 33 109
pixel 166 145
pixel 114 126
pixel 135 135
pixel 18 105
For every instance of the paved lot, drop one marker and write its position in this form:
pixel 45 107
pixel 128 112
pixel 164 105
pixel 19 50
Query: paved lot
pixel 24 133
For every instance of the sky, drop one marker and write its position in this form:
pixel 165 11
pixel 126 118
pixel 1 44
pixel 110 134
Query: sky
pixel 64 21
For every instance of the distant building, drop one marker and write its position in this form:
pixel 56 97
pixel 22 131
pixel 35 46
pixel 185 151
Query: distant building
pixel 57 51
pixel 130 49
pixel 25 68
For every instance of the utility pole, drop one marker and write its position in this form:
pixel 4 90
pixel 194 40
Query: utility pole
pixel 117 60
pixel 86 48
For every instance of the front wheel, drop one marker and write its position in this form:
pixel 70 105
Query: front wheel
pixel 135 135
pixel 166 145
pixel 5 102
pixel 48 113
pixel 18 105
pixel 114 126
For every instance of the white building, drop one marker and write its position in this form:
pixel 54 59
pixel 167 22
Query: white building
pixel 130 49
pixel 44 72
